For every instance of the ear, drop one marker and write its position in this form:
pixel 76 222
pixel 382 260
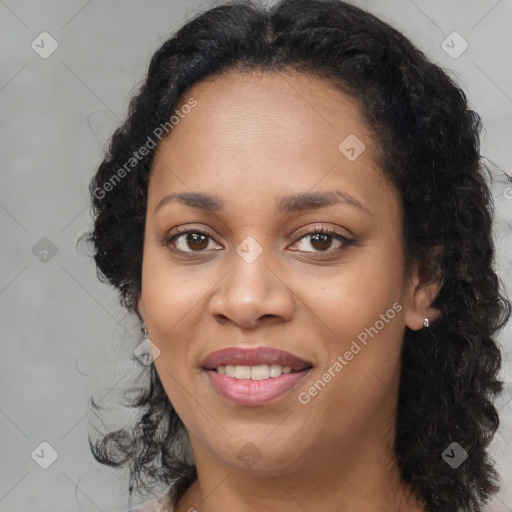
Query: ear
pixel 421 294
pixel 141 310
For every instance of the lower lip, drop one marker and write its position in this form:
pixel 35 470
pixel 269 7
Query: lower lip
pixel 254 392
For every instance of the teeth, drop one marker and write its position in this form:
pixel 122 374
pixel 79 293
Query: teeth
pixel 242 372
pixel 259 372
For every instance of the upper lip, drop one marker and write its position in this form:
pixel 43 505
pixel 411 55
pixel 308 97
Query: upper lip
pixel 252 357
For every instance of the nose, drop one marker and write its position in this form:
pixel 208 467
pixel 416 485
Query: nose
pixel 251 295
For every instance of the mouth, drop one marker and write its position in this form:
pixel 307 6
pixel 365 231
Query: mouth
pixel 256 372
pixel 258 363
pixel 254 376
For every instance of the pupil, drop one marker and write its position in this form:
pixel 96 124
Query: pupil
pixel 195 238
pixel 324 238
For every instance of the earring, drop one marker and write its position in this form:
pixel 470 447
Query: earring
pixel 426 322
pixel 144 328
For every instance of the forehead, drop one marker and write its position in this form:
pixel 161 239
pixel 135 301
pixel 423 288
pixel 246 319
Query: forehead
pixel 288 91
pixel 272 131
pixel 250 102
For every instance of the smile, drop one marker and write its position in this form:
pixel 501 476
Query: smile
pixel 259 372
pixel 254 376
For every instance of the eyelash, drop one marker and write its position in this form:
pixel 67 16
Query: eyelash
pixel 180 231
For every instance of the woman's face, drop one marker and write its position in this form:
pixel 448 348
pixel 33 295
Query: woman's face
pixel 252 173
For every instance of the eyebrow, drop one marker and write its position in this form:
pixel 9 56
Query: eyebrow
pixel 200 200
pixel 287 204
pixel 314 200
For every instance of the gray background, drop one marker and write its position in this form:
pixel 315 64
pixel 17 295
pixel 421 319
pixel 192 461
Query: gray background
pixel 64 335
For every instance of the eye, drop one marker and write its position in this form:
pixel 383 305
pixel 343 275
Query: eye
pixel 323 240
pixel 190 240
pixel 196 240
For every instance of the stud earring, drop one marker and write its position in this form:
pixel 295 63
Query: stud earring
pixel 426 322
pixel 144 328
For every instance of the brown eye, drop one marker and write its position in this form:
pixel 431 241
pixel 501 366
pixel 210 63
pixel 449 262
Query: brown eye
pixel 322 240
pixel 192 240
pixel 196 241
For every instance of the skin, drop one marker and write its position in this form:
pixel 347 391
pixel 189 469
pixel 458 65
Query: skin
pixel 252 139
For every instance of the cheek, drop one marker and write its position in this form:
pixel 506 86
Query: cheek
pixel 171 292
pixel 173 301
pixel 361 307
pixel 354 297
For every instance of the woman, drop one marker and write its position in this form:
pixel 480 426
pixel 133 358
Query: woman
pixel 296 210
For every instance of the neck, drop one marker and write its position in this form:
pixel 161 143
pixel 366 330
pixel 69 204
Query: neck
pixel 364 477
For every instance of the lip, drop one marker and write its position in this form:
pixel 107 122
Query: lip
pixel 255 392
pixel 252 357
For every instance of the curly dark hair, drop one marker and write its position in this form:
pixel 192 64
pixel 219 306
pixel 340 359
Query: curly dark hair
pixel 428 147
